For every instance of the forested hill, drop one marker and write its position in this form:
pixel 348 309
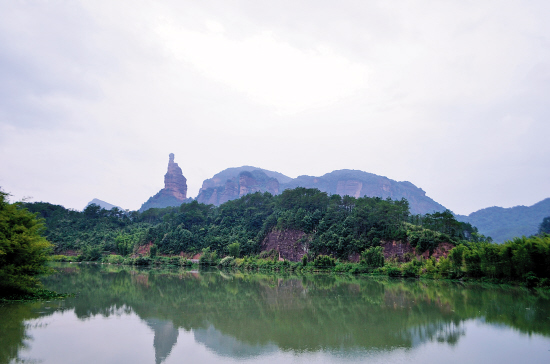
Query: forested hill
pixel 335 225
pixel 506 223
pixel 233 183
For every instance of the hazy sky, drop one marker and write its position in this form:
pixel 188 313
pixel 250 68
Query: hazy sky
pixel 452 96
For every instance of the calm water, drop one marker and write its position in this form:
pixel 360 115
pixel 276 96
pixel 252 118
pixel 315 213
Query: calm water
pixel 124 315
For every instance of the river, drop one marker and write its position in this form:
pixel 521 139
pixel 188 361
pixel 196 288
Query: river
pixel 129 315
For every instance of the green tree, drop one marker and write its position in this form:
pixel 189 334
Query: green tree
pixel 234 250
pixel 23 251
pixel 153 251
pixel 373 257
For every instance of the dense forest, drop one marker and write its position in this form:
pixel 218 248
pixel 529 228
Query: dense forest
pixel 335 228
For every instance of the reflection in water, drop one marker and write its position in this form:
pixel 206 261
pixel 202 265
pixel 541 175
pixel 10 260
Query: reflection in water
pixel 166 336
pixel 247 316
pixel 228 346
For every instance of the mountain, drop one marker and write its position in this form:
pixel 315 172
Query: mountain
pixel 506 223
pixel 103 204
pixel 233 183
pixel 358 184
pixel 174 192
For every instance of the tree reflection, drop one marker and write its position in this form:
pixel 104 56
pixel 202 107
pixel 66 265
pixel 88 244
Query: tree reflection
pixel 245 315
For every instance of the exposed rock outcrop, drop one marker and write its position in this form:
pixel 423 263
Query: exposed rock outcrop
pixel 358 184
pixel 174 192
pixel 213 192
pixel 291 244
pixel 398 250
pixel 233 183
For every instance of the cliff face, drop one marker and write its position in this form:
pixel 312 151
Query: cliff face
pixel 233 183
pixel 174 192
pixel 216 192
pixel 359 184
pixel 174 181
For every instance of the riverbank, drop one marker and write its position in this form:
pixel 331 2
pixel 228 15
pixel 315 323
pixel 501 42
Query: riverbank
pixel 416 268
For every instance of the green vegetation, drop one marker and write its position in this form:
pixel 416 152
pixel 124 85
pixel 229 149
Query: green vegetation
pixel 23 252
pixel 337 226
pixel 336 229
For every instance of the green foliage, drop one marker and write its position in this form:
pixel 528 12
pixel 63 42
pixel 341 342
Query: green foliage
pixel 23 251
pixel 208 257
pixel 324 261
pixel 234 249
pixel 227 262
pixel 153 251
pixel 304 260
pixel 373 257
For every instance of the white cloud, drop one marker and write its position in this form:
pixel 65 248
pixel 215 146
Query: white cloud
pixel 265 68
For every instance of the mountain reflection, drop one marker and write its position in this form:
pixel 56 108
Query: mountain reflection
pixel 249 315
pixel 166 336
pixel 225 345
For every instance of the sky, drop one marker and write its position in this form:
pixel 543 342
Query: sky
pixel 452 96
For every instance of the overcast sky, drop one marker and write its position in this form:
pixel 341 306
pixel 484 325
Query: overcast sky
pixel 452 96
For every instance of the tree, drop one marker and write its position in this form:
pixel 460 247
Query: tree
pixel 23 251
pixel 234 250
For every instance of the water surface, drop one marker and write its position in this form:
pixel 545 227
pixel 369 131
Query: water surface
pixel 126 315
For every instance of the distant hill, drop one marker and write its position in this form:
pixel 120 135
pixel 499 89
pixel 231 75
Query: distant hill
pixel 103 204
pixel 233 183
pixel 503 224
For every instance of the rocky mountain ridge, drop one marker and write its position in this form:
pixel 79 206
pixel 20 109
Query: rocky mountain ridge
pixel 243 180
pixel 174 192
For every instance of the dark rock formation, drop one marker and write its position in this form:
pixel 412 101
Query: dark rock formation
pixel 215 193
pixel 174 192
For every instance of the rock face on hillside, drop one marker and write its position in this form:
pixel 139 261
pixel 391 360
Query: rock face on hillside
pixel 174 192
pixel 215 191
pixel 291 244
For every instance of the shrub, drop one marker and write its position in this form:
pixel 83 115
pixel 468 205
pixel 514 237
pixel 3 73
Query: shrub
pixel 141 260
pixel 114 259
pixel 227 262
pixel 409 270
pixel 373 257
pixel 393 271
pixel 324 261
pixel 234 250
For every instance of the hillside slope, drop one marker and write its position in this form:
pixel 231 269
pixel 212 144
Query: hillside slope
pixel 506 223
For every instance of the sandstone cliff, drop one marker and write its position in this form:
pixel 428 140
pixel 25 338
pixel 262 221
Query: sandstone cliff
pixel 358 184
pixel 215 193
pixel 174 192
pixel 233 183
